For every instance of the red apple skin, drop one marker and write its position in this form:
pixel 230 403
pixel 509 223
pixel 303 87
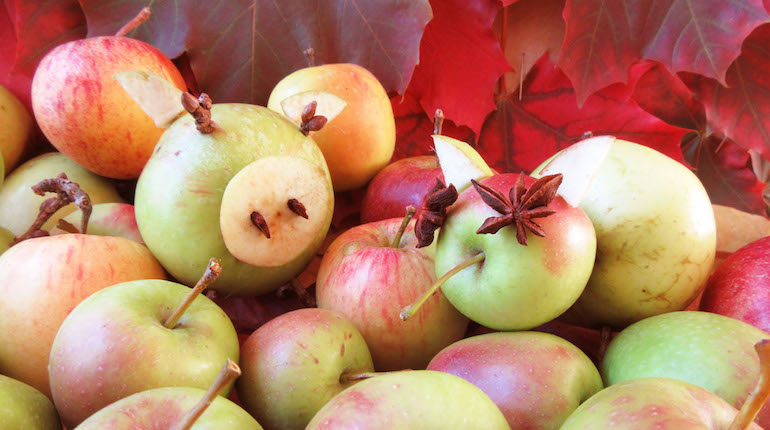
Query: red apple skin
pixel 400 184
pixel 536 379
pixel 740 286
pixel 85 112
pixel 365 280
pixel 47 277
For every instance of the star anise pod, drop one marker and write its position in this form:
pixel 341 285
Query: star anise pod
pixel 433 212
pixel 521 207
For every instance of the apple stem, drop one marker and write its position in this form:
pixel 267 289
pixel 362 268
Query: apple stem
pixel 296 287
pixel 65 225
pixel 410 211
pixel 230 371
pixel 209 276
pixel 135 22
pixel 200 109
pixel 412 309
pixel 438 121
pixel 758 397
pixel 310 56
pixel 605 336
pixel 360 376
pixel 66 192
pixel 259 222
pixel 297 207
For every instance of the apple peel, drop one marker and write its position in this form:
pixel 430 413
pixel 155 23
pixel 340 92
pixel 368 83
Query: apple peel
pixel 156 96
pixel 459 162
pixel 265 187
pixel 584 160
pixel 329 105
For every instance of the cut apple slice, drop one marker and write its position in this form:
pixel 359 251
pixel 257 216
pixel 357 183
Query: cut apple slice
pixel 265 187
pixel 157 97
pixel 459 162
pixel 579 163
pixel 329 105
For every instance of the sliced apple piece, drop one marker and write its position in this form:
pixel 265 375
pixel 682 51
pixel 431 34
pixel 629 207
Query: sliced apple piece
pixel 579 163
pixel 289 196
pixel 157 97
pixel 328 105
pixel 459 162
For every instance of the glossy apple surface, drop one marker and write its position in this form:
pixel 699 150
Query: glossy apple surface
pixel 368 282
pixel 25 408
pixel 122 327
pixel 360 141
pixel 85 112
pixel 536 379
pixel 516 287
pixel 417 399
pixel 295 363
pixel 179 194
pixel 16 129
pixel 48 277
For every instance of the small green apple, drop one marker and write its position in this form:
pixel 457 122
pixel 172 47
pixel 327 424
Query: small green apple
pixel 24 408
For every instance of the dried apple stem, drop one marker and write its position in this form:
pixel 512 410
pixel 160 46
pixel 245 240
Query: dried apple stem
pixel 360 376
pixel 200 109
pixel 310 56
pixel 135 22
pixel 66 192
pixel 412 309
pixel 209 276
pixel 299 290
pixel 65 225
pixel 758 397
pixel 311 121
pixel 605 336
pixel 228 374
pixel 438 121
pixel 410 211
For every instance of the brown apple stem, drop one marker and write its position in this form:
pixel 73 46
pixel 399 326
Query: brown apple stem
pixel 410 211
pixel 299 290
pixel 360 376
pixel 135 22
pixel 230 371
pixel 412 309
pixel 605 336
pixel 65 225
pixel 297 207
pixel 438 121
pixel 259 222
pixel 758 397
pixel 311 121
pixel 66 192
pixel 200 109
pixel 213 270
pixel 310 56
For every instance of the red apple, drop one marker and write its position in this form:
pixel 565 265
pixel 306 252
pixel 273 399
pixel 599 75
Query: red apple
pixel 365 279
pixel 740 286
pixel 400 184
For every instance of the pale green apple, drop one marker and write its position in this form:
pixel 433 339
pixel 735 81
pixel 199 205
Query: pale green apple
pixel 653 403
pixel 115 344
pixel 655 229
pixel 6 238
pixel 179 196
pixel 415 399
pixel 19 205
pixel 709 350
pixel 162 408
pixel 107 219
pixel 24 408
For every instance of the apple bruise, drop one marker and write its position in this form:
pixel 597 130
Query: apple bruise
pixel 272 209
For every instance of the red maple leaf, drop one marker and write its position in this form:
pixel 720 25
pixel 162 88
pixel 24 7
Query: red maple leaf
pixel 741 110
pixel 460 62
pixel 604 38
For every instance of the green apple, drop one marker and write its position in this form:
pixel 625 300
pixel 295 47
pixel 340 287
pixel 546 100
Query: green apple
pixel 654 403
pixel 107 219
pixel 127 326
pixel 709 350
pixel 416 399
pixel 655 229
pixel 296 363
pixel 16 130
pixel 19 205
pixel 6 239
pixel 536 379
pixel 459 162
pixel 182 195
pixel 24 408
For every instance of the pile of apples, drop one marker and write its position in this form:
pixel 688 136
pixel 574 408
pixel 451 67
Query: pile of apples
pixel 465 297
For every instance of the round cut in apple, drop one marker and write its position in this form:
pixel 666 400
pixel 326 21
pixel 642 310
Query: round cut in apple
pixel 291 196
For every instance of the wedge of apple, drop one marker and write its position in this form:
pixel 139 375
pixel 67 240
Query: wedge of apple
pixel 328 105
pixel 459 162
pixel 157 97
pixel 293 199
